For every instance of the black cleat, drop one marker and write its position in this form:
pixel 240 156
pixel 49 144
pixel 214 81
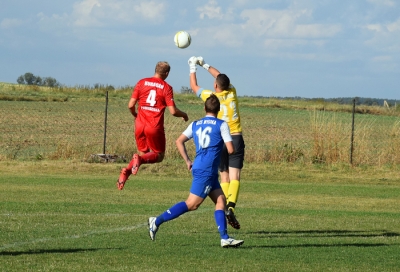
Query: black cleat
pixel 230 216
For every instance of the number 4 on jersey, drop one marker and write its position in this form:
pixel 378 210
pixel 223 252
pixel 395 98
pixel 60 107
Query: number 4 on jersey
pixel 151 98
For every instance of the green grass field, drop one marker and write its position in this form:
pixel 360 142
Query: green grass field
pixel 68 123
pixel 302 207
pixel 69 216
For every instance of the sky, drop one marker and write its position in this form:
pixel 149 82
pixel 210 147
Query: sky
pixel 271 48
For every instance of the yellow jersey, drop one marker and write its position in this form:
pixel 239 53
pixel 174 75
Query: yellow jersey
pixel 229 109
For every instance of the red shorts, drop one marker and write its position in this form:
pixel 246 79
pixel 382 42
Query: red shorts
pixel 149 138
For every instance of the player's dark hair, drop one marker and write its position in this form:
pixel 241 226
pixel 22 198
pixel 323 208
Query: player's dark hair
pixel 162 68
pixel 223 81
pixel 212 104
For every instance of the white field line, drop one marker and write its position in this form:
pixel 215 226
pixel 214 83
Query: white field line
pixel 77 236
pixel 90 233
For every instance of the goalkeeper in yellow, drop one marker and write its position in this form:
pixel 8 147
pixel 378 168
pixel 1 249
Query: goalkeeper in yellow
pixel 231 165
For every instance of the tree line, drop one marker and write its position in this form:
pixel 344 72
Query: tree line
pixel 31 79
pixel 344 100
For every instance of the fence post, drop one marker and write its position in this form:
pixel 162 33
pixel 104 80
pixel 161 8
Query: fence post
pixel 352 132
pixel 105 125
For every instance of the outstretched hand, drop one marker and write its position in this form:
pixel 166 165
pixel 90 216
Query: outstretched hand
pixel 202 63
pixel 192 64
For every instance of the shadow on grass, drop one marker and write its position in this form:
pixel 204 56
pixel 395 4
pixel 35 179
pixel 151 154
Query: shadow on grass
pixel 324 245
pixel 47 251
pixel 325 233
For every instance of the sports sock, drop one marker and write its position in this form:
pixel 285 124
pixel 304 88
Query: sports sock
pixel 130 165
pixel 233 193
pixel 220 220
pixel 175 211
pixel 151 157
pixel 225 188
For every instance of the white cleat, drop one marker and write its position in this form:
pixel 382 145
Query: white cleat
pixel 153 228
pixel 230 242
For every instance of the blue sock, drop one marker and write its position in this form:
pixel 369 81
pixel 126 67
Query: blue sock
pixel 175 211
pixel 221 223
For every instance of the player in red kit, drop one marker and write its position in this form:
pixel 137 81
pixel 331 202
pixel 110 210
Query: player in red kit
pixel 152 95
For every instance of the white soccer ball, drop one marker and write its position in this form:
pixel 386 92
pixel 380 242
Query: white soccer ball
pixel 182 39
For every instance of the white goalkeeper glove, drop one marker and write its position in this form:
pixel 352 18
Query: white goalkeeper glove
pixel 201 62
pixel 192 64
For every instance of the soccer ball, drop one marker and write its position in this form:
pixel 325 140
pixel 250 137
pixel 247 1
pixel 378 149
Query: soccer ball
pixel 182 39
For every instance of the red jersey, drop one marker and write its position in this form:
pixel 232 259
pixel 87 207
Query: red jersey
pixel 153 96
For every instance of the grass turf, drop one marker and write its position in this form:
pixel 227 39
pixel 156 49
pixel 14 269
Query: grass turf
pixel 65 216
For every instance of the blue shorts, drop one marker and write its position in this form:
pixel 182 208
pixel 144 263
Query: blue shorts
pixel 202 184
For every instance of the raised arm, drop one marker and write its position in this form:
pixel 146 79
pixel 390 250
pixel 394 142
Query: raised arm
pixel 193 83
pixel 193 79
pixel 212 70
pixel 192 66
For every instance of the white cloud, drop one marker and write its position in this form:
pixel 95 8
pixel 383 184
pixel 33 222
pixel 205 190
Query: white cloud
pixel 389 3
pixel 222 36
pixel 382 58
pixel 10 23
pixel 210 10
pixel 279 44
pixel 316 31
pixel 150 10
pixel 385 28
pixel 385 37
pixel 374 27
pixel 393 27
pixel 96 13
pixel 286 23
pixel 84 12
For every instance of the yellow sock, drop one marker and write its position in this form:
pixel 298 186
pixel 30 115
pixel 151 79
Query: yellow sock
pixel 233 191
pixel 225 189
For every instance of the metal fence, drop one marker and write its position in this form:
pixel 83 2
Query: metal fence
pixel 73 129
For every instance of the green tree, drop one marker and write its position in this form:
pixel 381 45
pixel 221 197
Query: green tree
pixel 38 81
pixel 29 78
pixel 20 80
pixel 186 90
pixel 50 82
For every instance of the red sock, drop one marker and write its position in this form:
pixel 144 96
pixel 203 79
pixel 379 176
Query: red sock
pixel 130 165
pixel 150 157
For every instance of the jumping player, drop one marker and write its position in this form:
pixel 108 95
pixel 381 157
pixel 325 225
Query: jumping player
pixel 209 135
pixel 231 164
pixel 153 95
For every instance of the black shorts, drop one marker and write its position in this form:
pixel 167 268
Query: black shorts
pixel 236 159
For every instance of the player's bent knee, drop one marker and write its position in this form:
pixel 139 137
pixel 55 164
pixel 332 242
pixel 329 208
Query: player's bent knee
pixel 160 157
pixel 193 206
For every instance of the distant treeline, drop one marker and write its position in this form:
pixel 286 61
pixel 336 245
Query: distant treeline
pixel 345 100
pixel 31 79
